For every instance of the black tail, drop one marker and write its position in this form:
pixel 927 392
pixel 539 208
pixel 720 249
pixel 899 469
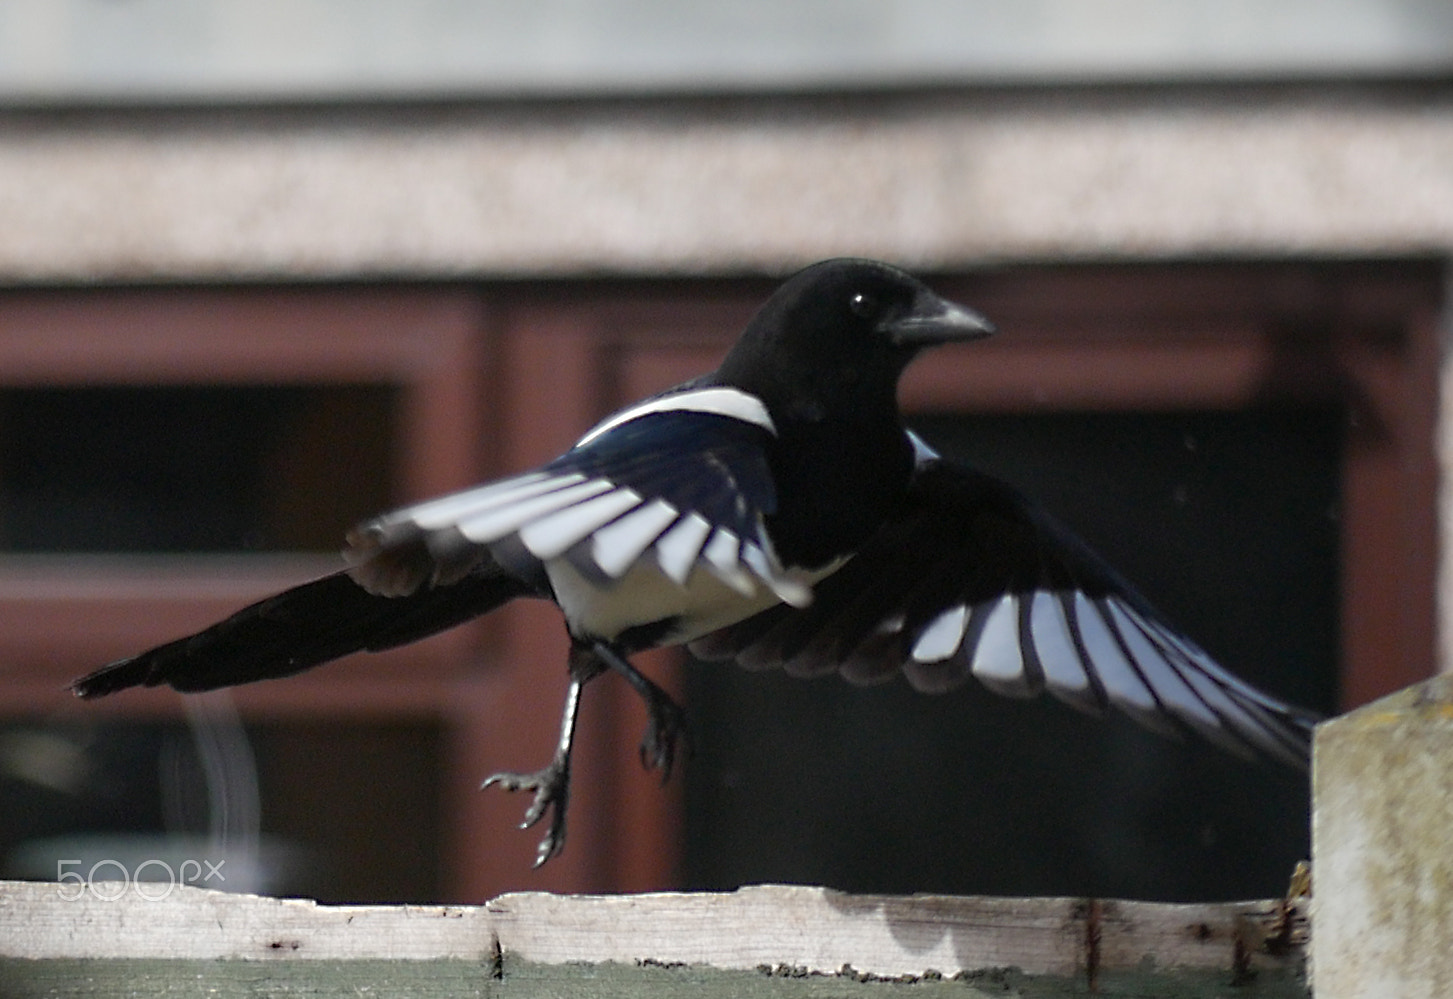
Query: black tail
pixel 303 627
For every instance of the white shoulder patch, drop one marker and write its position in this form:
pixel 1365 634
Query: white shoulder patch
pixel 721 401
pixel 922 453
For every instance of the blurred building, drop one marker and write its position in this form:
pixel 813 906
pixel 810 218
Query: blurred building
pixel 270 268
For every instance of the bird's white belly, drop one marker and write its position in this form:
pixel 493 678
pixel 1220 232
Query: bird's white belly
pixel 645 595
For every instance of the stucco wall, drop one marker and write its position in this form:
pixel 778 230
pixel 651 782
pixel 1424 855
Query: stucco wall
pixel 723 185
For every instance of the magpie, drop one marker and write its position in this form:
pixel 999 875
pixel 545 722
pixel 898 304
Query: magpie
pixel 775 512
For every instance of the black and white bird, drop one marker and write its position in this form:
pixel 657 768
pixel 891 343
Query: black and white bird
pixel 775 512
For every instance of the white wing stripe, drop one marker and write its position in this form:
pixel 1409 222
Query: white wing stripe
pixel 496 523
pixel 720 401
pixel 1055 648
pixel 721 557
pixel 446 511
pixel 677 549
pixel 551 535
pixel 922 453
pixel 998 659
pixel 721 551
pixel 941 638
pixel 616 546
pixel 1118 677
pixel 1172 691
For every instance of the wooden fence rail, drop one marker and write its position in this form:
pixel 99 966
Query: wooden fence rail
pixel 139 939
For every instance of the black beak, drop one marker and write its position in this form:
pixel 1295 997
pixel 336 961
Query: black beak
pixel 936 320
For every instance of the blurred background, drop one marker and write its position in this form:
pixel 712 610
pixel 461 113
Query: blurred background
pixel 269 268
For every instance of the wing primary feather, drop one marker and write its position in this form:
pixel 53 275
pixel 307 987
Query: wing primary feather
pixel 618 545
pixel 678 549
pixel 449 510
pixel 1069 609
pixel 1197 659
pixel 1161 674
pixel 1247 720
pixel 942 635
pixel 998 660
pixel 551 535
pixel 936 678
pixel 1222 676
pixel 1122 683
pixel 722 554
pixel 1246 725
pixel 496 523
pixel 1033 671
pixel 1048 643
pixel 872 662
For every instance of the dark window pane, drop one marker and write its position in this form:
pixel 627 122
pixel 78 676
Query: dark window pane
pixel 191 468
pixel 128 793
pixel 1228 523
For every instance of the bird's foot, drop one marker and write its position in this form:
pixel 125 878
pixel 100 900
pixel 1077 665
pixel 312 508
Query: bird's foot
pixel 666 725
pixel 551 785
pixel 666 722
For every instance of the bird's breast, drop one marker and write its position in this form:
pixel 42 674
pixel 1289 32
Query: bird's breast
pixel 645 596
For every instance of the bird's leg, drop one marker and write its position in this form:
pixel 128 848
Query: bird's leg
pixel 666 721
pixel 551 783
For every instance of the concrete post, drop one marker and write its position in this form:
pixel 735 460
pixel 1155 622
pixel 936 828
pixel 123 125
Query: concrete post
pixel 1382 848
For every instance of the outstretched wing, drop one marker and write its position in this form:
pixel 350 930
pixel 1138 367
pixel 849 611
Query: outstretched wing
pixel 970 579
pixel 681 480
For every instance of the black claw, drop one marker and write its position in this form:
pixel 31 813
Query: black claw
pixel 552 794
pixel 666 721
pixel 665 727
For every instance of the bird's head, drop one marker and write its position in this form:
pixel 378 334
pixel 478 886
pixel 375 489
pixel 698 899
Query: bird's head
pixel 842 331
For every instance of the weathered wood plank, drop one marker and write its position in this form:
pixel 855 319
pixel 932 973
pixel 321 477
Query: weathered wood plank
pixel 810 928
pixel 72 939
pixel 115 919
pixel 820 930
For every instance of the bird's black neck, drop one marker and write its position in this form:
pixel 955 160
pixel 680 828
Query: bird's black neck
pixel 836 481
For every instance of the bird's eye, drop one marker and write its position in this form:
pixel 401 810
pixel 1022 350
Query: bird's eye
pixel 863 305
